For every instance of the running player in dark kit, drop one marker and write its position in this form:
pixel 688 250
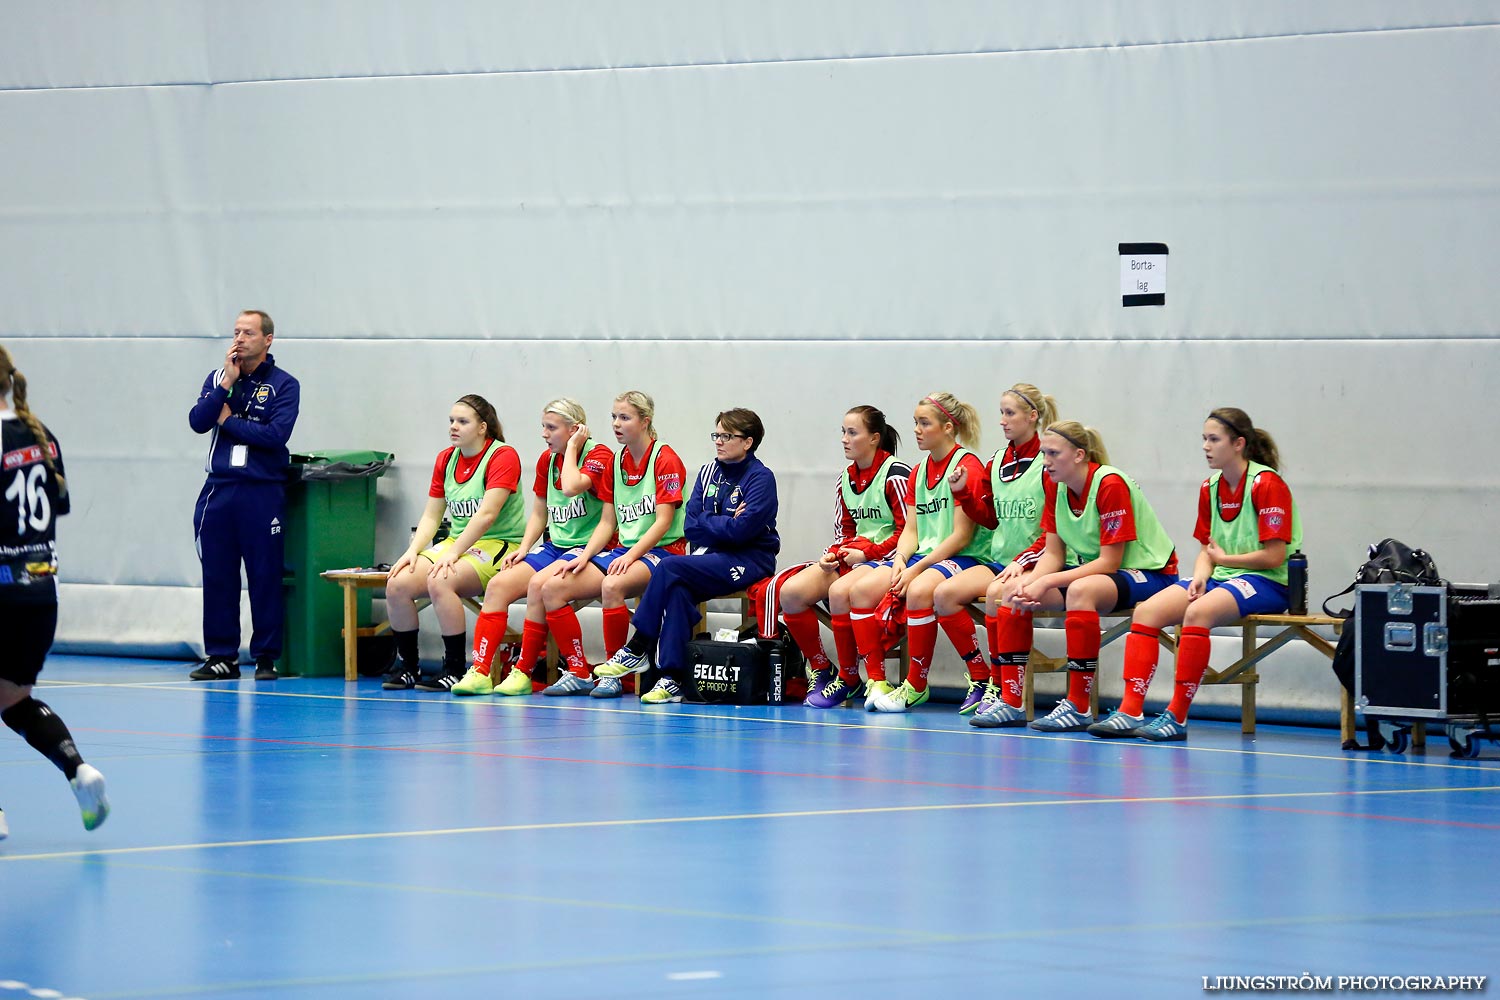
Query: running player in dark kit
pixel 32 472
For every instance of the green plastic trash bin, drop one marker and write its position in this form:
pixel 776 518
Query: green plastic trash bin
pixel 329 524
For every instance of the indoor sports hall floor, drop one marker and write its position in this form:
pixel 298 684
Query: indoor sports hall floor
pixel 308 839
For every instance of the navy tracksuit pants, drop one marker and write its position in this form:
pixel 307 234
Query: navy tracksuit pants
pixel 668 610
pixel 234 523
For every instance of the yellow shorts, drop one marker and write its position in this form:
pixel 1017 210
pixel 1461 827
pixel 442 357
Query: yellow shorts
pixel 484 555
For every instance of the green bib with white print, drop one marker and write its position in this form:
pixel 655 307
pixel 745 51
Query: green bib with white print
pixel 935 512
pixel 1149 549
pixel 571 520
pixel 1243 533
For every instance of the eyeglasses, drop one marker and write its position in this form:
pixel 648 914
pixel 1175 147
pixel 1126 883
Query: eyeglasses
pixel 720 438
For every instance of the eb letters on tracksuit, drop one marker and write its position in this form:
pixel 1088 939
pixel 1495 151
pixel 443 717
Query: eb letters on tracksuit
pixel 239 513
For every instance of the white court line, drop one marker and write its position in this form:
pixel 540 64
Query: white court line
pixel 738 817
pixel 551 705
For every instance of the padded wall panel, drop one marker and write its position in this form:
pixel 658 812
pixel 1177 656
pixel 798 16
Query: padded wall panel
pixel 793 208
pixel 95 43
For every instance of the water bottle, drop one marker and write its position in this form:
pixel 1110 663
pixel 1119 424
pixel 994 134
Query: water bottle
pixel 1296 583
pixel 774 688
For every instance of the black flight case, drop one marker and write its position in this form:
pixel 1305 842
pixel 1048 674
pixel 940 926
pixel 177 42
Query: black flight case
pixel 1429 654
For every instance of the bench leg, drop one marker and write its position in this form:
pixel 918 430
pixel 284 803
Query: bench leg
pixel 1247 707
pixel 351 633
pixel 1346 715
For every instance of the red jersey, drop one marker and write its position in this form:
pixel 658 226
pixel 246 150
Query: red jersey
pixel 897 483
pixel 1270 493
pixel 503 472
pixel 598 465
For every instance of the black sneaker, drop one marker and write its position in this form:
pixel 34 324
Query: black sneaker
pixel 438 682
pixel 399 679
pixel 265 669
pixel 217 668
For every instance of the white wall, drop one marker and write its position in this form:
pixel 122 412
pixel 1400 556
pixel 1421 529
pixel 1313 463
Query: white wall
pixel 791 207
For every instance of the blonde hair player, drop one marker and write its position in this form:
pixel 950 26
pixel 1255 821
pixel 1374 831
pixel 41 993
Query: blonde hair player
pixel 34 481
pixel 572 487
pixel 1247 525
pixel 938 535
pixel 1007 500
pixel 639 529
pixel 1105 551
pixel 474 482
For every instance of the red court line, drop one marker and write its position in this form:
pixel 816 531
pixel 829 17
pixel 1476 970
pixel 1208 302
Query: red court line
pixel 607 763
pixel 1349 815
pixel 1054 793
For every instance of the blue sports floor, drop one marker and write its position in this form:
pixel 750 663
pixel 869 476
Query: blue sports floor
pixel 308 839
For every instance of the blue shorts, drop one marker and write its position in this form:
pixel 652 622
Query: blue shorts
pixel 650 560
pixel 950 567
pixel 1135 585
pixel 1132 586
pixel 549 554
pixel 1254 594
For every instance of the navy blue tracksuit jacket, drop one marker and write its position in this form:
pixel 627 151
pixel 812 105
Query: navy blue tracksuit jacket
pixel 728 552
pixel 239 512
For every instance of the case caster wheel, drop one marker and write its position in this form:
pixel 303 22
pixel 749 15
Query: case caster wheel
pixel 1397 738
pixel 1463 743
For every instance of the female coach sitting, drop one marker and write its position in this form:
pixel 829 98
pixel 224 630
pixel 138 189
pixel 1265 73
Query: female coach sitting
pixel 731 529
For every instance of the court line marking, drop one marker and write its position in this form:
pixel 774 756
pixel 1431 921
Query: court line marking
pixel 645 958
pixel 482 703
pixel 511 897
pixel 730 817
pixel 709 769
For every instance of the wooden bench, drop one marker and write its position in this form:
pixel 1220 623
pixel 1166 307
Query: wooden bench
pixel 352 582
pixel 1286 628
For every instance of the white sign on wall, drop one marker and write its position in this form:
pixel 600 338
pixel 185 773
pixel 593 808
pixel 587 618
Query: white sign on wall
pixel 1143 274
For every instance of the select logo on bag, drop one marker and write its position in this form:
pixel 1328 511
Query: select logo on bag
pixel 716 678
pixel 275 525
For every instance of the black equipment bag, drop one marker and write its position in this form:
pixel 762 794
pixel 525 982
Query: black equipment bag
pixel 1390 561
pixel 734 673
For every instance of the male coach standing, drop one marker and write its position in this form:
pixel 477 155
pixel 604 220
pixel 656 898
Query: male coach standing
pixel 248 408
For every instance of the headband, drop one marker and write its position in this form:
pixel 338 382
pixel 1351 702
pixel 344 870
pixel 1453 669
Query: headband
pixel 951 418
pixel 1068 438
pixel 1024 398
pixel 1232 428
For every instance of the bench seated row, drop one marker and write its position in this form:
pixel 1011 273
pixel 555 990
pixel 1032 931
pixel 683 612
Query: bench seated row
pixel 1278 631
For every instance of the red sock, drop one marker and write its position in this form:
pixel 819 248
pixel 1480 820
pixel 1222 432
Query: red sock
pixel 489 630
pixel 564 625
pixel 1082 630
pixel 533 643
pixel 616 629
pixel 959 628
pixel 1141 651
pixel 845 648
pixel 1012 645
pixel 921 640
pixel 808 636
pixel 1192 663
pixel 866 628
pixel 992 635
